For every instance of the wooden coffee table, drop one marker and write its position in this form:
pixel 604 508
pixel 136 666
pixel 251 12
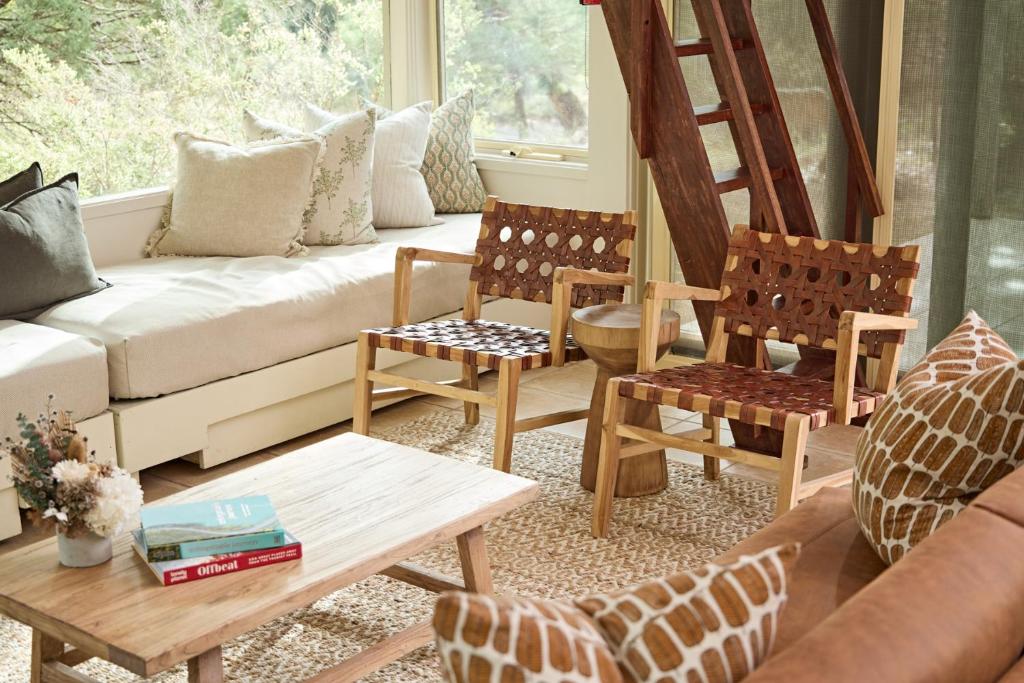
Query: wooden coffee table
pixel 360 507
pixel 610 336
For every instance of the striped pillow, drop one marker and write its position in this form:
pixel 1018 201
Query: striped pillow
pixel 715 624
pixel 952 427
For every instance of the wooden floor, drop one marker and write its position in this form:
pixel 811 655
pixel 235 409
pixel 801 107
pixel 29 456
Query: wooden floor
pixel 541 391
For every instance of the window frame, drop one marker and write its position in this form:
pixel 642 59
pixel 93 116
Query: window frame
pixel 497 148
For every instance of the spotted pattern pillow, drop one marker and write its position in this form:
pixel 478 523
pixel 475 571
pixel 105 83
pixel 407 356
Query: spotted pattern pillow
pixel 951 428
pixel 715 625
pixel 481 639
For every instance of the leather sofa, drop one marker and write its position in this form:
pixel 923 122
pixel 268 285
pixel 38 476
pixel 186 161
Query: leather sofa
pixel 950 611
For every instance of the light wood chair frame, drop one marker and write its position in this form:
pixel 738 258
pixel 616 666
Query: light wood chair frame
pixel 706 441
pixel 466 389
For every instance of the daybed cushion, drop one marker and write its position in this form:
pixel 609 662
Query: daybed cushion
pixel 176 323
pixel 36 361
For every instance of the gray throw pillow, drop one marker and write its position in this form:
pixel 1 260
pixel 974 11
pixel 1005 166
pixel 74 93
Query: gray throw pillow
pixel 44 257
pixel 20 183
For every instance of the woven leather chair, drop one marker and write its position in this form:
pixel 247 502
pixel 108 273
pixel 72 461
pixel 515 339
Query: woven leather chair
pixel 562 257
pixel 850 298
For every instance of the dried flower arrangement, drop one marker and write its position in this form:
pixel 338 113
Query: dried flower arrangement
pixel 56 475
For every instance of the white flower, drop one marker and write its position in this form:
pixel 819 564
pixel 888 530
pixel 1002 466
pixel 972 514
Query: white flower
pixel 118 500
pixel 72 472
pixel 61 515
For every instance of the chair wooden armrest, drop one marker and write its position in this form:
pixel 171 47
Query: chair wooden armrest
pixel 861 321
pixel 656 293
pixel 564 279
pixel 404 259
pixel 572 276
pixel 677 291
pixel 851 324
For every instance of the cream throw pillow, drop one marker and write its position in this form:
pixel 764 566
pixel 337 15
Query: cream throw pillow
pixel 400 196
pixel 340 209
pixel 238 201
pixel 448 167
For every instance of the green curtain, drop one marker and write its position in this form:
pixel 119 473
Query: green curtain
pixel 960 167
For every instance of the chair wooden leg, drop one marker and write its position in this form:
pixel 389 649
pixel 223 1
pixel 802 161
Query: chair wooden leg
pixel 505 429
pixel 471 380
pixel 712 465
pixel 366 359
pixel 607 460
pixel 794 444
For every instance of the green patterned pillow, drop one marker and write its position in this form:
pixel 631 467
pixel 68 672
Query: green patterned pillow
pixel 340 210
pixel 452 179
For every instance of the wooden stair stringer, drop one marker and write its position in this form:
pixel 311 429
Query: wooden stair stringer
pixel 679 163
pixel 773 131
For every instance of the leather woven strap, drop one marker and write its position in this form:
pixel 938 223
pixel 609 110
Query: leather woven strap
pixel 522 245
pixel 801 286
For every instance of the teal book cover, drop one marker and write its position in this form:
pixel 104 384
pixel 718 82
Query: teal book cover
pixel 229 525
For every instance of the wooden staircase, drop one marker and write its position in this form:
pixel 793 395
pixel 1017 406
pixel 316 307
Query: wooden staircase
pixel 666 127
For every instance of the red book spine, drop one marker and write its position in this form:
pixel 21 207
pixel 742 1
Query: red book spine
pixel 229 564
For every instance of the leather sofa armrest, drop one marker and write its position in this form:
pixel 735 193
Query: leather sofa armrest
pixel 950 611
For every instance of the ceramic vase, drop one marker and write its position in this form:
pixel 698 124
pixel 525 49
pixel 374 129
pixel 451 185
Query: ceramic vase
pixel 84 551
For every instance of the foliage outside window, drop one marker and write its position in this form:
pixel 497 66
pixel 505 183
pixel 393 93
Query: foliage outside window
pixel 526 62
pixel 99 86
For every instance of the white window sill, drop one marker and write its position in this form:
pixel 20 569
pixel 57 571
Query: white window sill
pixel 575 170
pixel 124 202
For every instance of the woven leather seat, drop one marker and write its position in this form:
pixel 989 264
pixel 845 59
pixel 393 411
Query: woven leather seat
pixel 481 343
pixel 748 394
pixel 563 257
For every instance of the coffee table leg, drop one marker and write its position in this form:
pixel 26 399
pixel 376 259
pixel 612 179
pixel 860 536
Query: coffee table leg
pixel 206 668
pixel 476 570
pixel 44 649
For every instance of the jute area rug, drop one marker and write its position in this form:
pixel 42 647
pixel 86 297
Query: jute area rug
pixel 542 549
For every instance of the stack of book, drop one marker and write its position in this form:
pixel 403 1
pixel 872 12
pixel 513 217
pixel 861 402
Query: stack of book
pixel 199 540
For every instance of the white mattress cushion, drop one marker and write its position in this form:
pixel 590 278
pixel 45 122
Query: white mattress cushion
pixel 176 323
pixel 36 361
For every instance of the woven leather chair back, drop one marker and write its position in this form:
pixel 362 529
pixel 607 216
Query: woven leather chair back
pixel 520 246
pixel 795 288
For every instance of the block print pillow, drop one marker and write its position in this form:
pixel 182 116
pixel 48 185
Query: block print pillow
pixel 448 166
pixel 715 624
pixel 481 639
pixel 340 209
pixel 400 196
pixel 951 428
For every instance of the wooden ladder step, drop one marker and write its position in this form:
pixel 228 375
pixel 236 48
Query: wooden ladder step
pixel 692 47
pixel 739 179
pixel 717 113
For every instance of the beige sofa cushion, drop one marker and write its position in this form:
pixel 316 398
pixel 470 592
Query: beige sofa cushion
pixel 36 361
pixel 238 201
pixel 175 323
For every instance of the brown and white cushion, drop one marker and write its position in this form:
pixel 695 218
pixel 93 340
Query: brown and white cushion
pixel 716 624
pixel 482 639
pixel 951 428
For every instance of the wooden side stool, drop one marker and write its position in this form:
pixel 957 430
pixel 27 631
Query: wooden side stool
pixel 610 336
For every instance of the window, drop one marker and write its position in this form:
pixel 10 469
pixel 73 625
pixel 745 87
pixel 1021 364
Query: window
pixel 106 102
pixel 526 62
